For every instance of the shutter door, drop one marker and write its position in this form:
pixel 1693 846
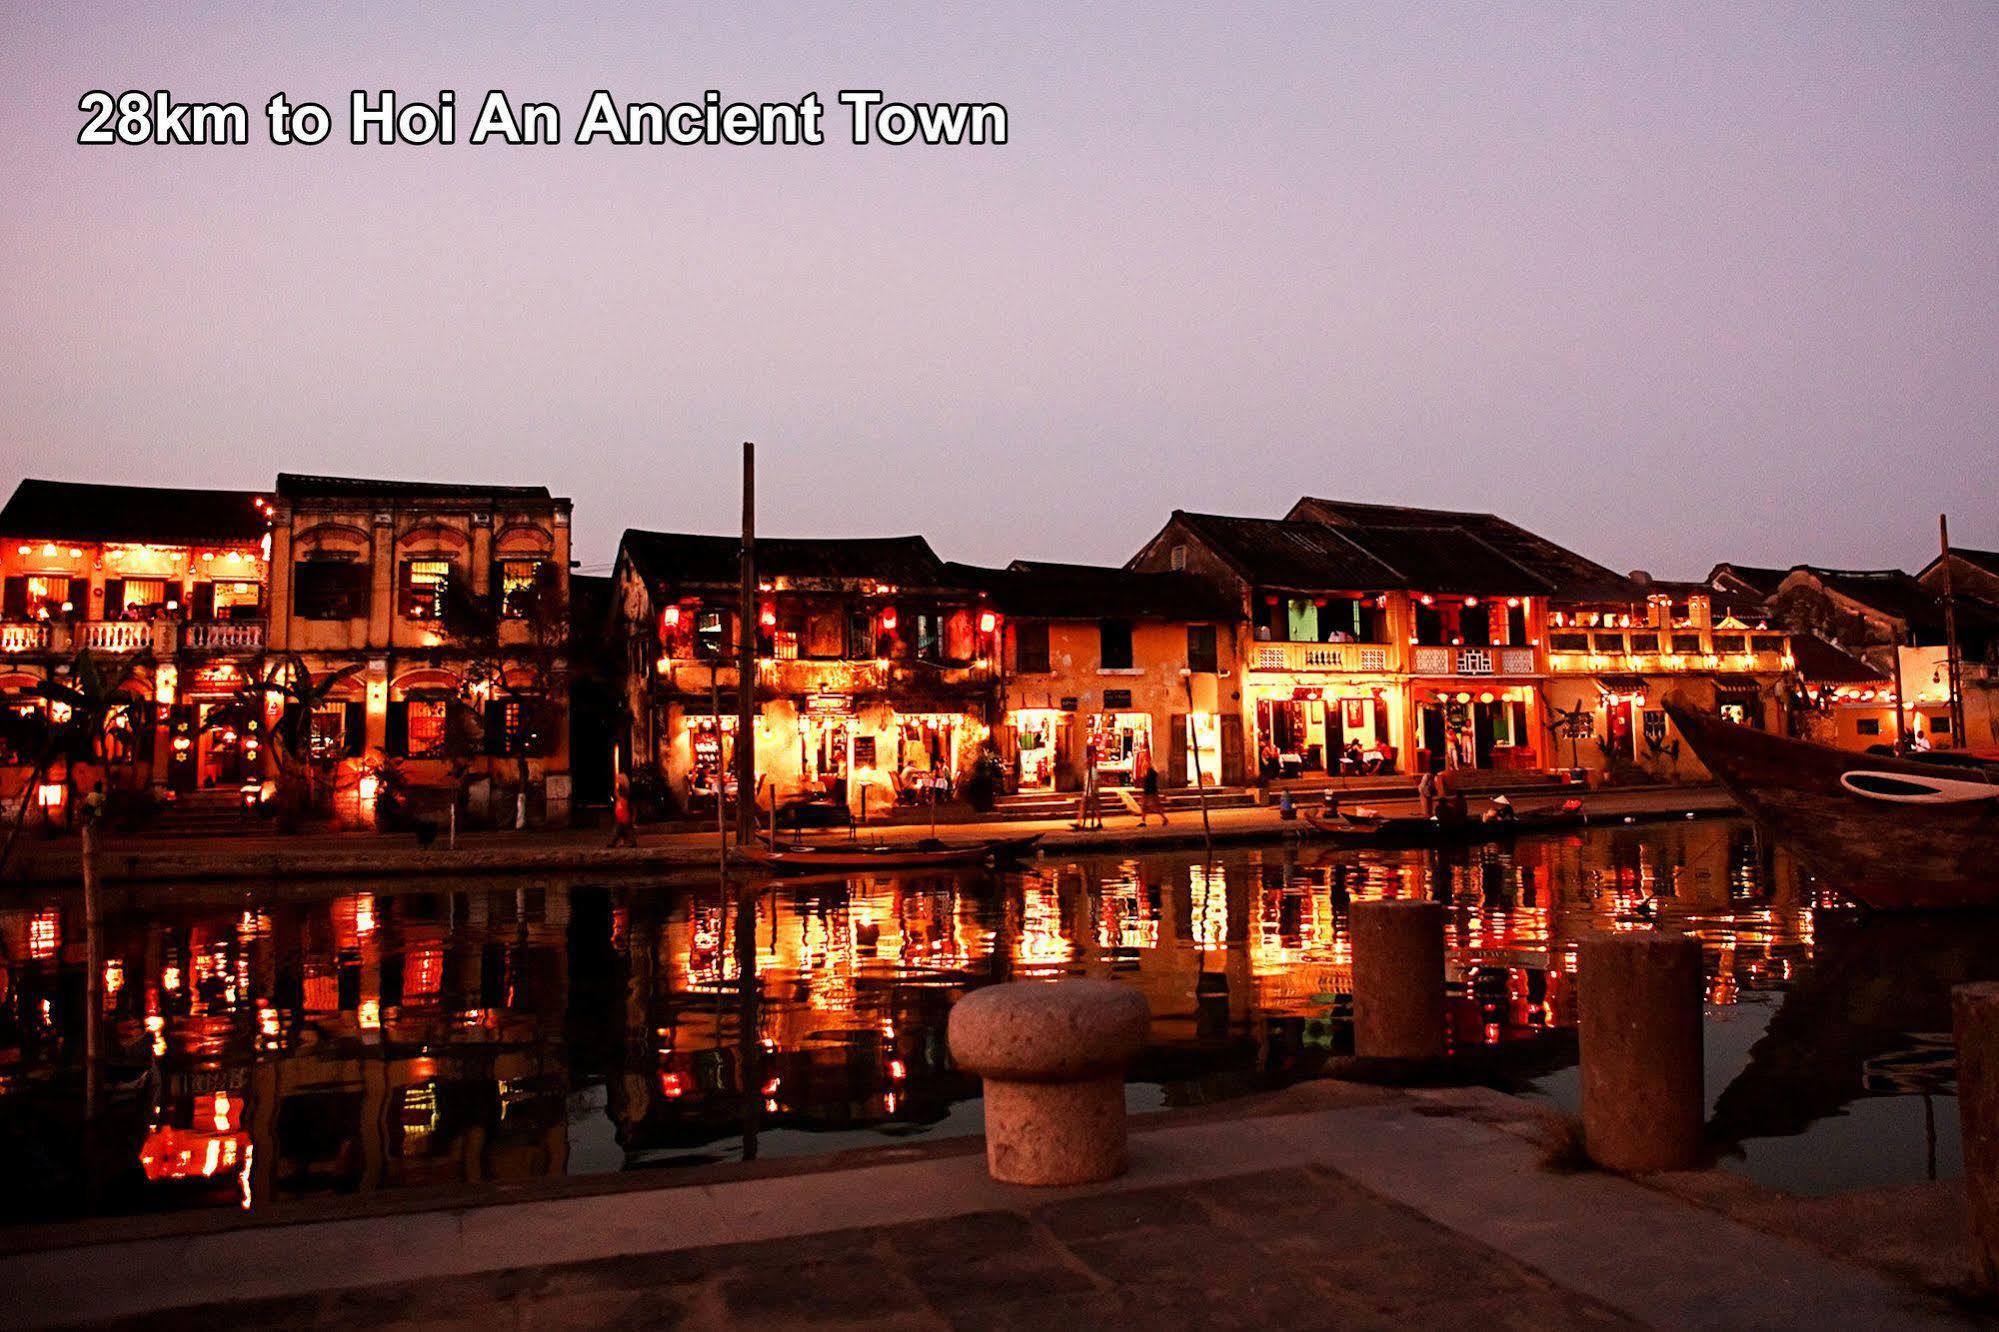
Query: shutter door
pixel 1231 749
pixel 397 742
pixel 1177 748
pixel 114 598
pixel 14 605
pixel 354 730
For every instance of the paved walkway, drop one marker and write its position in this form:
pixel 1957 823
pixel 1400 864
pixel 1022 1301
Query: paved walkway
pixel 276 856
pixel 1353 1207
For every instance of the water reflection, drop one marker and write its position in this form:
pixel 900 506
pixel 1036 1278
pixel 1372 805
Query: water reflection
pixel 271 1046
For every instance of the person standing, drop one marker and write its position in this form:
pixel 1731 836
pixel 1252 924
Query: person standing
pixel 1426 791
pixel 1147 776
pixel 625 831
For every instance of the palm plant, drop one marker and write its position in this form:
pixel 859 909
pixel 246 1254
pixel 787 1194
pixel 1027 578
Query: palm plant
pixel 300 694
pixel 89 697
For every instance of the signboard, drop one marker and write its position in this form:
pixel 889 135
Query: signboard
pixel 864 751
pixel 1115 699
pixel 829 705
pixel 1069 704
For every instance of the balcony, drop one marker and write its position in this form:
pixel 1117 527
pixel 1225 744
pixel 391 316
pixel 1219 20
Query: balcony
pixel 1305 658
pixel 116 637
pixel 18 638
pixel 1472 661
pixel 223 636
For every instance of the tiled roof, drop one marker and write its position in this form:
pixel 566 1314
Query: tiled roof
pixel 1756 578
pixel 160 515
pixel 293 486
pixel 1044 590
pixel 1559 572
pixel 1303 556
pixel 1819 662
pixel 685 559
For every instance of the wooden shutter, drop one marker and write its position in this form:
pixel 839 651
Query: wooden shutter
pixel 1177 749
pixel 397 742
pixel 114 598
pixel 78 596
pixel 14 601
pixel 495 721
pixel 202 605
pixel 1231 749
pixel 354 730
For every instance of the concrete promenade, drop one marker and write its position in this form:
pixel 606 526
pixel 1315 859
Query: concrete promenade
pixel 1328 1205
pixel 270 856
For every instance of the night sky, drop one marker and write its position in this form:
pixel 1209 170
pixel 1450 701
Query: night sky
pixel 1670 283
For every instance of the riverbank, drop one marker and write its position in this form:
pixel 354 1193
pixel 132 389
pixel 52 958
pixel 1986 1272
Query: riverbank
pixel 685 850
pixel 1326 1205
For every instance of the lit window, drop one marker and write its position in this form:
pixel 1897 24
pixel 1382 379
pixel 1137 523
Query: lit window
pixel 518 579
pixel 425 586
pixel 427 721
pixel 329 730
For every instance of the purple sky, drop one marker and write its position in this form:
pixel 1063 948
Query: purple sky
pixel 1719 282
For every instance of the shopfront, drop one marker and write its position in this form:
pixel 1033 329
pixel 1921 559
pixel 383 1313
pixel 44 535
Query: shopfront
pixel 1486 728
pixel 927 753
pixel 1115 740
pixel 1038 734
pixel 1204 749
pixel 712 766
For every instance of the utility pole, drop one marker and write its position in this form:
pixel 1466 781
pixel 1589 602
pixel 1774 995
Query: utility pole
pixel 746 660
pixel 1954 663
pixel 1194 753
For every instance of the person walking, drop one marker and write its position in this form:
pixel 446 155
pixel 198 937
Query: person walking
pixel 1426 791
pixel 625 831
pixel 1147 776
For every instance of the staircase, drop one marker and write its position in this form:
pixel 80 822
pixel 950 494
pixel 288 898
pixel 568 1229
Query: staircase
pixel 1062 804
pixel 216 812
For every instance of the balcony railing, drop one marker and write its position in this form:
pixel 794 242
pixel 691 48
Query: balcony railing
pixel 1434 660
pixel 114 636
pixel 223 636
pixel 24 638
pixel 1307 657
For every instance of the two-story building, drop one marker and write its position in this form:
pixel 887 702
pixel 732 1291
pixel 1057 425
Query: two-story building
pixel 876 670
pixel 1100 664
pixel 164 588
pixel 452 601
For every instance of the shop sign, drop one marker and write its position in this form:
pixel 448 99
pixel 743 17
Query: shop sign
pixel 221 675
pixel 1115 699
pixel 1070 704
pixel 829 705
pixel 864 751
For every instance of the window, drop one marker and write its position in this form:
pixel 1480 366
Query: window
pixel 1687 644
pixel 711 634
pixel 1569 642
pixel 1030 647
pixel 1867 726
pixel 513 727
pixel 825 632
pixel 1730 643
pixel 1114 645
pixel 425 585
pixel 329 589
pixel 1177 558
pixel 232 601
pixel 1940 724
pixel 1766 642
pixel 519 581
pixel 329 730
pixel 428 720
pixel 141 597
pixel 1202 651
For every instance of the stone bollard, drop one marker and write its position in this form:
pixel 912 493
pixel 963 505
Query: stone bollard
pixel 1975 1013
pixel 1053 1057
pixel 1398 979
pixel 1639 1019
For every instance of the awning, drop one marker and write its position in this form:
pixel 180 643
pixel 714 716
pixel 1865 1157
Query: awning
pixel 1621 684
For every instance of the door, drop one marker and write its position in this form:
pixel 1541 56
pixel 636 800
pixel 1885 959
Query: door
pixel 1232 769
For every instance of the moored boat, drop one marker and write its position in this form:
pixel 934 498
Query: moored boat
pixel 1417 830
pixel 841 857
pixel 1891 833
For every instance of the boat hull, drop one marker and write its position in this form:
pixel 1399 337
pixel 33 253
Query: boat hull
pixel 880 859
pixel 1884 854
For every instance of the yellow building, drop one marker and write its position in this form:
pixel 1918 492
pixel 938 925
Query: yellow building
pixel 1102 665
pixel 876 671
pixel 452 600
pixel 164 588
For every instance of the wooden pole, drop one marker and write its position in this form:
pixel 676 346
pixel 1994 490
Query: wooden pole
pixel 1901 720
pixel 93 1004
pixel 746 659
pixel 1954 664
pixel 1194 750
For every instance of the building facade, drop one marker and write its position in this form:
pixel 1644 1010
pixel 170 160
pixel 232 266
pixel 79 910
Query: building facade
pixel 1100 665
pixel 877 672
pixel 440 615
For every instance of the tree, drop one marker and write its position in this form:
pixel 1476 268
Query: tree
pixel 303 775
pixel 519 639
pixel 87 700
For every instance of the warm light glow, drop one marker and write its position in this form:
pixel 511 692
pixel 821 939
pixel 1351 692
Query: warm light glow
pixel 988 622
pixel 670 617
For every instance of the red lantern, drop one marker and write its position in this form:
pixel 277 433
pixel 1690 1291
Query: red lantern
pixel 670 618
pixel 988 622
pixel 769 617
pixel 888 618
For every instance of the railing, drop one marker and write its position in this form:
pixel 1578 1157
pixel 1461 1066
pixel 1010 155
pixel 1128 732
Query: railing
pixel 1304 657
pixel 113 635
pixel 223 636
pixel 1433 660
pixel 1567 662
pixel 24 638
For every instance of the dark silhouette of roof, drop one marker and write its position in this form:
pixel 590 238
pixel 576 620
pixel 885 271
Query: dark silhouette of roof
pixel 1307 557
pixel 1986 560
pixel 1559 571
pixel 1038 589
pixel 294 486
pixel 1722 601
pixel 1755 579
pixel 1819 662
pixel 688 559
pixel 159 515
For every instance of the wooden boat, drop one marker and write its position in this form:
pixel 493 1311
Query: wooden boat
pixel 860 857
pixel 1891 833
pixel 1416 830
